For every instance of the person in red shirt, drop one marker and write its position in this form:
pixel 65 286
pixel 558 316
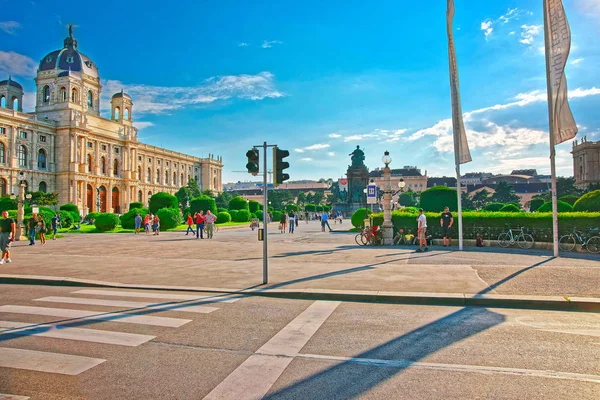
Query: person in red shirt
pixel 147 224
pixel 190 222
pixel 200 225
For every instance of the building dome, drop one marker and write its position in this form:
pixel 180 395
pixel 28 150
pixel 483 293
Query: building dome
pixel 121 94
pixel 69 58
pixel 10 82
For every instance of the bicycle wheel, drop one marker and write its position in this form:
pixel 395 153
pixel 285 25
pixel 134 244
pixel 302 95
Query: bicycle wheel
pixel 593 245
pixel 364 238
pixel 504 240
pixel 525 241
pixel 566 243
pixel 357 239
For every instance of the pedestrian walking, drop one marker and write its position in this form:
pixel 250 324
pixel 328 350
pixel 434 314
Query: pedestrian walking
pixel 283 223
pixel 147 224
pixel 190 222
pixel 325 222
pixel 7 236
pixel 209 220
pixel 446 222
pixel 156 225
pixel 41 228
pixel 421 231
pixel 200 219
pixel 292 220
pixel 138 224
pixel 55 221
pixel 306 216
pixel 31 227
pixel 296 218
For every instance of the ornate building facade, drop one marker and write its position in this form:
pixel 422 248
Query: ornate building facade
pixel 586 163
pixel 65 146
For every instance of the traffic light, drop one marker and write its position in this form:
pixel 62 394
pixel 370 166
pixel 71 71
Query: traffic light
pixel 252 165
pixel 279 165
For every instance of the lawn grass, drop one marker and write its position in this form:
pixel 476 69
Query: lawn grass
pixel 92 229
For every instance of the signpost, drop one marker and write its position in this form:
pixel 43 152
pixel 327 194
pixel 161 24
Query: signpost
pixel 372 194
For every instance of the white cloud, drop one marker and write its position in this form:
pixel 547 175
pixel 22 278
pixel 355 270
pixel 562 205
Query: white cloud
pixel 577 61
pixel 318 146
pixel 299 150
pixel 243 44
pixel 529 33
pixel 591 7
pixel 306 159
pixel 9 27
pixel 162 99
pixel 142 124
pixel 510 14
pixel 267 44
pixel 331 154
pixel 486 27
pixel 29 101
pixel 335 135
pixel 12 63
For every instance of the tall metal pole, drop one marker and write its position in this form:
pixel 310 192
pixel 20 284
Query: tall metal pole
pixel 460 220
pixel 265 219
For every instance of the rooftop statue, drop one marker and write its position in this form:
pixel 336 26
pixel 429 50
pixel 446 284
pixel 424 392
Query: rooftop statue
pixel 358 157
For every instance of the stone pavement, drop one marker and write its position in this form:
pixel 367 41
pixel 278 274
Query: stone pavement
pixel 308 259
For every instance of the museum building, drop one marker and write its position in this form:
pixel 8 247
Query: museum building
pixel 65 146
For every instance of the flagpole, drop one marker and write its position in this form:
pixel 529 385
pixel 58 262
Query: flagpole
pixel 551 131
pixel 460 221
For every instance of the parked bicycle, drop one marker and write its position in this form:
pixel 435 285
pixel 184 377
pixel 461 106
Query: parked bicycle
pixel 519 236
pixel 591 243
pixel 369 236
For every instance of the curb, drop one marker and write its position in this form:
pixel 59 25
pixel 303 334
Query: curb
pixel 552 303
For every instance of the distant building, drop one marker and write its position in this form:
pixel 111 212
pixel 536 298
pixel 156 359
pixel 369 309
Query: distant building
pixel 474 178
pixel 447 181
pixel 586 163
pixel 414 179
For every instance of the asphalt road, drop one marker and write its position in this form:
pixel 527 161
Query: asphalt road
pixel 84 343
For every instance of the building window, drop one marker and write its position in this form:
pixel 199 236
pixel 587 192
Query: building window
pixel 22 156
pixel 166 178
pixel 139 173
pixel 63 94
pixel 42 159
pixel 46 94
pixel 43 139
pixel 139 158
pixel 3 187
pixel 149 176
pixel 90 145
pixel 103 147
pixel 126 114
pixel 117 112
pixel 2 131
pixel 116 150
pixel 23 135
pixel 2 101
pixel 116 168
pixel 74 95
pixel 90 163
pixel 149 160
pixel 167 163
pixel 2 153
pixel 103 165
pixel 158 176
pixel 174 178
pixel 158 162
pixel 139 196
pixel 43 187
pixel 90 99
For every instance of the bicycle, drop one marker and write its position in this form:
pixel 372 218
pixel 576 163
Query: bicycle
pixel 569 241
pixel 508 238
pixel 215 229
pixel 370 235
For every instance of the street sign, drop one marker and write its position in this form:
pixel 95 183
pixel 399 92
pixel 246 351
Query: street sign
pixel 343 183
pixel 261 234
pixel 372 194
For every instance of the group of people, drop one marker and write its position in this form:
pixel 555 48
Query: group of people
pixel 201 221
pixel 37 225
pixel 446 222
pixel 151 224
pixel 290 220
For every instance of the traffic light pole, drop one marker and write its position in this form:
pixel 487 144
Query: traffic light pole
pixel 265 218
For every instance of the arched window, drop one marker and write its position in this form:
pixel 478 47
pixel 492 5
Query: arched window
pixel 15 103
pixel 2 153
pixel 42 159
pixel 43 187
pixel 158 176
pixel 167 178
pixel 2 101
pixel 215 182
pixel 140 194
pixel 90 99
pixel 74 95
pixel 46 94
pixel 126 114
pixel 117 112
pixel 22 156
pixel 63 94
pixel 139 174
pixel 149 176
pixel 149 195
pixel 116 168
pixel 174 178
pixel 103 165
pixel 3 187
pixel 181 182
pixel 90 163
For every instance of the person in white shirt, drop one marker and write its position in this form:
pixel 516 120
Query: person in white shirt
pixel 421 231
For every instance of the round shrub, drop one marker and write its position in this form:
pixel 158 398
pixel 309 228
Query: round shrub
pixel 169 218
pixel 560 205
pixel 493 207
pixel 106 222
pixel 219 210
pixel 412 210
pixel 92 215
pixel 136 204
pixel 276 216
pixel 242 216
pixel 6 204
pixel 310 208
pixel 291 208
pixel 66 219
pixel 259 215
pixel 128 219
pixel 47 215
pixel 238 203
pixel 407 199
pixel 233 214
pixel 254 206
pixel 569 198
pixel 436 198
pixel 162 200
pixel 325 208
pixel 203 203
pixel 73 209
pixel 535 204
pixel 359 216
pixel 510 208
pixel 589 202
pixel 319 208
pixel 223 217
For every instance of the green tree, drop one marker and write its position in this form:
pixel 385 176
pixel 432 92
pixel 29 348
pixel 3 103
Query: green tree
pixel 481 199
pixel 208 193
pixel 162 200
pixel 301 199
pixel 466 202
pixel 44 199
pixel 407 199
pixel 505 193
pixel 187 193
pixel 238 203
pixel 318 198
pixel 439 197
pixel 223 199
pixel 279 198
pixel 310 199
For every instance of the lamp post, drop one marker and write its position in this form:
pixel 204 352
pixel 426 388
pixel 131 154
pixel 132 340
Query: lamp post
pixel 20 206
pixel 388 227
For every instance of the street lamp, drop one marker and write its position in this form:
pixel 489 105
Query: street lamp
pixel 20 205
pixel 388 227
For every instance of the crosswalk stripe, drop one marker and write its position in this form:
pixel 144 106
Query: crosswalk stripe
pixel 162 296
pixel 96 315
pixel 80 334
pixel 132 304
pixel 46 362
pixel 4 396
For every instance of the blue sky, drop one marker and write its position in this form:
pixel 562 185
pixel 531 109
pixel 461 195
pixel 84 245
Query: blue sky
pixel 318 78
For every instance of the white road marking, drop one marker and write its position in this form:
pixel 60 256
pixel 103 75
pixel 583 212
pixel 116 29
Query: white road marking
pixel 12 397
pixel 81 334
pixel 456 367
pixel 255 376
pixel 97 315
pixel 162 296
pixel 55 363
pixel 131 304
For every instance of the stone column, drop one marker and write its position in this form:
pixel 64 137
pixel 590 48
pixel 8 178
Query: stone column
pixel 109 204
pixel 110 160
pixel 388 228
pixel 74 190
pixel 84 204
pixel 96 158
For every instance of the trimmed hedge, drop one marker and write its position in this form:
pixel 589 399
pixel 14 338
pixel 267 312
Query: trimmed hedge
pixel 560 205
pixel 106 222
pixel 588 202
pixel 242 216
pixel 310 208
pixel 66 219
pixel 494 207
pixel 534 204
pixel 136 204
pixel 358 217
pixel 223 217
pixel 128 219
pixel 169 218
pixel 233 214
pixel 319 208
pixel 510 208
pixel 439 197
pixel 259 215
pixel 238 203
pixel 203 203
pixel 291 208
pixel 413 210
pixel 277 216
pixel 73 209
pixel 254 206
pixel 569 198
pixel 93 215
pixel 162 200
pixel 219 210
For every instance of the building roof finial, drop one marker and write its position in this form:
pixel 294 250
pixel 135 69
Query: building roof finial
pixel 70 41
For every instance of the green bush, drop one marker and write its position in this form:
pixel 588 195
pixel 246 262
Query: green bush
pixel 326 208
pixel 412 210
pixel 169 218
pixel 407 199
pixel 493 207
pixel 569 198
pixel 242 216
pixel 162 200
pixel 219 210
pixel 6 204
pixel 359 216
pixel 254 206
pixel 47 215
pixel 66 219
pixel 560 205
pixel 510 208
pixel 291 208
pixel 106 222
pixel 73 209
pixel 436 198
pixel 238 203
pixel 277 216
pixel 310 208
pixel 534 204
pixel 136 204
pixel 93 215
pixel 319 208
pixel 203 203
pixel 259 215
pixel 223 217
pixel 128 219
pixel 233 214
pixel 588 202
